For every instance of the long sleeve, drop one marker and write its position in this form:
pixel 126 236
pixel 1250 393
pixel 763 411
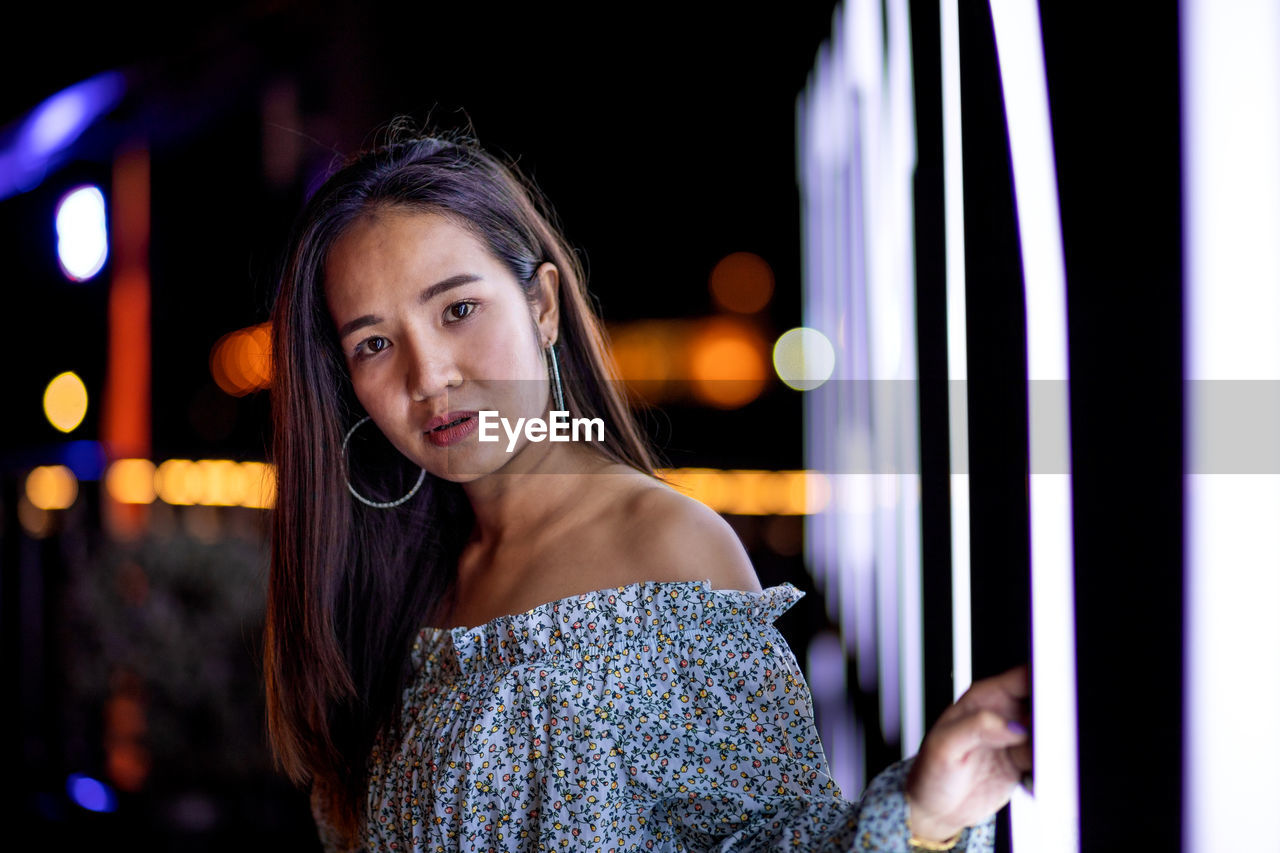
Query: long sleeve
pixel 882 817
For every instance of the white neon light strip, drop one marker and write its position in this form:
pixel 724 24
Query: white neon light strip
pixel 902 148
pixel 1231 215
pixel 1050 822
pixel 857 140
pixel 957 351
pixel 866 72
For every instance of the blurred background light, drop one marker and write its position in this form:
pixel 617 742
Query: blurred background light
pixel 240 361
pixel 66 401
pixel 51 487
pixel 1050 820
pixel 646 353
pixel 1231 213
pixel 837 723
pixel 54 125
pixel 727 363
pixel 187 482
pixel 957 351
pixel 86 459
pixel 751 492
pixel 81 223
pixel 224 482
pixel 804 358
pixel 90 794
pixel 38 523
pixel 62 117
pixel 178 482
pixel 132 481
pixel 742 282
pixel 721 361
pixel 261 491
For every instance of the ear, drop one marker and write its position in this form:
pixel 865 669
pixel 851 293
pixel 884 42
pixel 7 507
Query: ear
pixel 545 302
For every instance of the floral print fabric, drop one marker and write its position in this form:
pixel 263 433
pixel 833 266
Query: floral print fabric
pixel 660 716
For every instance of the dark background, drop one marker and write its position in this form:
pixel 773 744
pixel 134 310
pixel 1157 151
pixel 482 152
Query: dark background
pixel 664 138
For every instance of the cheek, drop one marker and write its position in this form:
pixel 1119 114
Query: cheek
pixel 375 402
pixel 504 354
pixel 363 394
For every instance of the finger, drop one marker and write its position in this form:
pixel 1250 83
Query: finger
pixel 1020 755
pixel 983 728
pixel 1005 691
pixel 1014 682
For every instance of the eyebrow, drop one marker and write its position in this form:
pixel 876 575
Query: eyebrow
pixel 424 297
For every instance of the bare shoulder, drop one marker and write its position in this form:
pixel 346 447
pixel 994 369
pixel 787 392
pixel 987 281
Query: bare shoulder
pixel 669 536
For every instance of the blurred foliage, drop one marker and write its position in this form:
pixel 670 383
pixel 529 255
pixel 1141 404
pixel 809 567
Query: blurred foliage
pixel 177 621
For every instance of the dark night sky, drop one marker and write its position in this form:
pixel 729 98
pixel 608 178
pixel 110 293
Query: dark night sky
pixel 663 136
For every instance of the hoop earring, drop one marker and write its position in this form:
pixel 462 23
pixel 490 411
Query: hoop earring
pixel 556 388
pixel 362 498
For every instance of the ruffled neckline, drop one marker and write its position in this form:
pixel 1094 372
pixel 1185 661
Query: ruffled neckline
pixel 581 624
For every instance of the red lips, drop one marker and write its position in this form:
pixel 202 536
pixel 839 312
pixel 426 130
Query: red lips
pixel 444 430
pixel 448 417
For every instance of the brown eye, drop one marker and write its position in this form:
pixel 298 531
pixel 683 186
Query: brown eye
pixel 371 346
pixel 460 310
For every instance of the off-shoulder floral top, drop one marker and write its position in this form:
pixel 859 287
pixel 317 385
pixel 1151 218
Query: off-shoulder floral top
pixel 660 716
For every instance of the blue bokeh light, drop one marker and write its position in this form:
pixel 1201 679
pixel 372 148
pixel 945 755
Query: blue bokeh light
pixel 90 794
pixel 86 459
pixel 31 149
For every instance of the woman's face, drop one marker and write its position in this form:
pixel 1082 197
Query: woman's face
pixel 434 329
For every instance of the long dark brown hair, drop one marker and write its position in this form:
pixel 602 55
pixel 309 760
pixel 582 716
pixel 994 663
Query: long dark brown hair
pixel 350 586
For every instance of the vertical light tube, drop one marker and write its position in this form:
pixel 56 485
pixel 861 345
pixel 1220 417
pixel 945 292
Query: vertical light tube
pixel 1231 209
pixel 901 134
pixel 126 410
pixel 1050 821
pixel 957 350
pixel 857 166
pixel 858 30
pixel 826 127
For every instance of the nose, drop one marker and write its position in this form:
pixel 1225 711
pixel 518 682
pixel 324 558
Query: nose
pixel 431 370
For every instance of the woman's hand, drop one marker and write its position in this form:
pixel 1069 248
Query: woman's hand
pixel 972 758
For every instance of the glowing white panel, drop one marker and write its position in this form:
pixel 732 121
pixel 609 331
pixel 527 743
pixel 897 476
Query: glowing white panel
pixel 901 143
pixel 1231 210
pixel 81 224
pixel 857 166
pixel 957 350
pixel 1050 820
pixel 913 721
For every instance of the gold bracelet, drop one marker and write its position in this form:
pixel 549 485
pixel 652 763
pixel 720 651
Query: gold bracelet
pixel 923 844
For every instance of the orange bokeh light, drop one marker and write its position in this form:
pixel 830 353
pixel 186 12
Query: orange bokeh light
pixel 727 364
pixel 647 353
pixel 215 482
pixel 742 282
pixel 131 481
pixel 749 492
pixel 241 360
pixel 52 487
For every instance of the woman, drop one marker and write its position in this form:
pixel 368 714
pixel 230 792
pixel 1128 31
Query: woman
pixel 522 643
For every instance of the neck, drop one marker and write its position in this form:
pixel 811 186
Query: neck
pixel 532 494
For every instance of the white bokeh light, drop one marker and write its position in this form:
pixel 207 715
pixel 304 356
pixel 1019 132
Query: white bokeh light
pixel 81 222
pixel 804 358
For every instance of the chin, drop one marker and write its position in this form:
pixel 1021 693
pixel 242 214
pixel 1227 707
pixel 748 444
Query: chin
pixel 464 464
